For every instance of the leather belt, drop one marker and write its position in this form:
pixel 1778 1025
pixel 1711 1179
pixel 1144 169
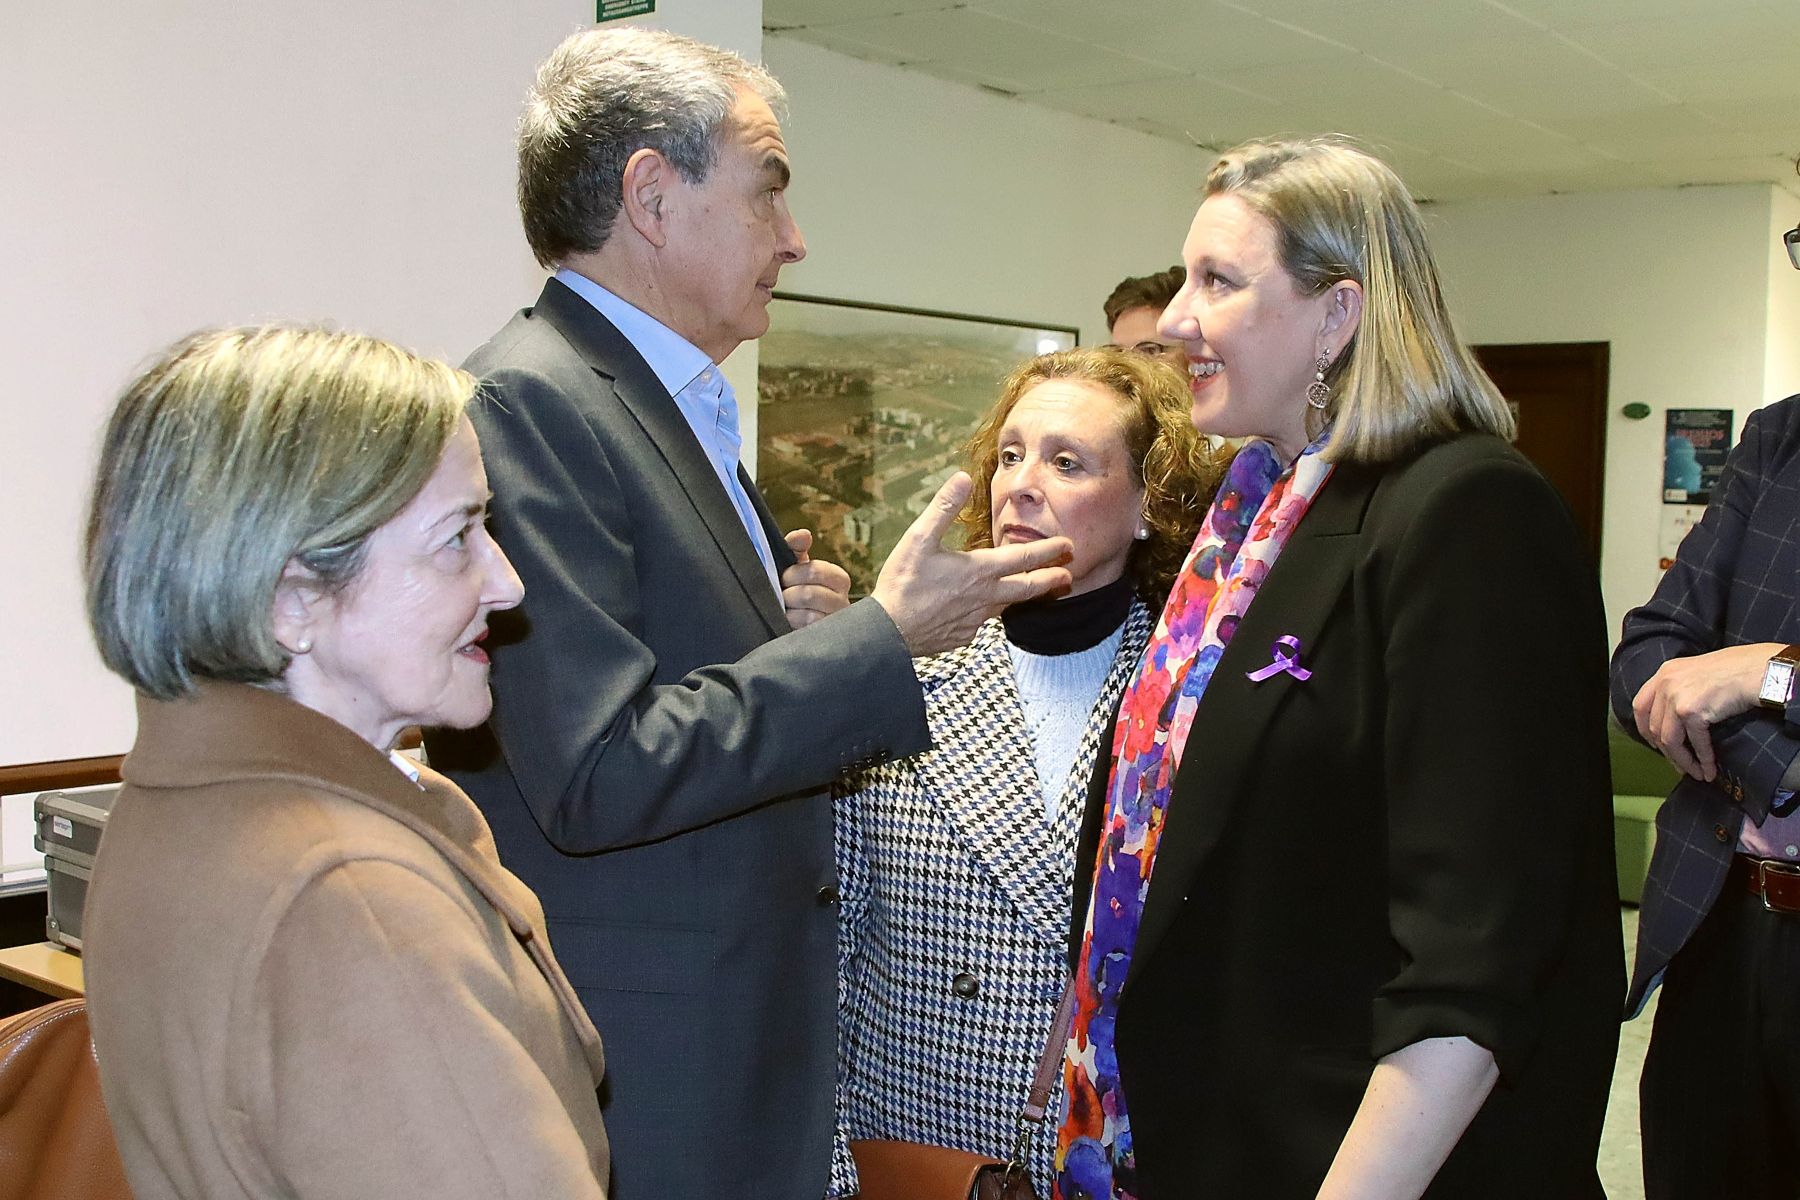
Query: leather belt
pixel 1773 881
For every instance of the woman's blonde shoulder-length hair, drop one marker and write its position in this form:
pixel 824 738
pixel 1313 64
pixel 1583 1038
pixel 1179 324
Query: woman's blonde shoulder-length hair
pixel 235 454
pixel 1405 379
pixel 1180 471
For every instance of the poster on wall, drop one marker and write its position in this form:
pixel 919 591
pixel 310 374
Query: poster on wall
pixel 1695 442
pixel 863 411
pixel 1677 519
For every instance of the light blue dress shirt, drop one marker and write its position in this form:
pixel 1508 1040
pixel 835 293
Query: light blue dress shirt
pixel 701 393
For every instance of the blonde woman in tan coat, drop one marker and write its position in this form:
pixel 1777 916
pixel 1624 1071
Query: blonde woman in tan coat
pixel 309 976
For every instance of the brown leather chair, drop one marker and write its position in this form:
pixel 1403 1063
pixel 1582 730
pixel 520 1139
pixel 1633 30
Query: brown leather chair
pixel 55 1142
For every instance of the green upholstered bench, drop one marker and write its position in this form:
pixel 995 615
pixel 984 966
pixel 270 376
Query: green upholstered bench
pixel 1641 778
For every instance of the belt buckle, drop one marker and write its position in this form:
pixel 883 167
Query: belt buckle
pixel 1763 867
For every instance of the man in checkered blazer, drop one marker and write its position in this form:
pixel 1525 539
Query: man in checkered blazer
pixel 1720 925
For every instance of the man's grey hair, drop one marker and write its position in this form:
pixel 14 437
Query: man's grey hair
pixel 600 97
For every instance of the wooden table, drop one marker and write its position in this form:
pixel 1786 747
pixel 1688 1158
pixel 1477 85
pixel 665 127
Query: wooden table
pixel 45 967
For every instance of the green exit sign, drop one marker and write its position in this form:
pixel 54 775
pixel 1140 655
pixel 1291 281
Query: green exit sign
pixel 617 10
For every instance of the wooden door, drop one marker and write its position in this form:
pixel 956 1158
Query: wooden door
pixel 1558 392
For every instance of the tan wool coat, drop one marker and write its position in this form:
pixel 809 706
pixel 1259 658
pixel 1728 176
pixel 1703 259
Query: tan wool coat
pixel 310 977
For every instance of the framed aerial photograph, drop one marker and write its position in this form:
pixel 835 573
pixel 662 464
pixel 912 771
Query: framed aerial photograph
pixel 865 409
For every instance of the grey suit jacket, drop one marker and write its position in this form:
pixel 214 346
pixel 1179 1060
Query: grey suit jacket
pixel 656 760
pixel 1735 580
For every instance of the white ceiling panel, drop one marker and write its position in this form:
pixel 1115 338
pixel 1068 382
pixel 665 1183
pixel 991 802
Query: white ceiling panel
pixel 1204 113
pixel 985 80
pixel 1658 148
pixel 1393 29
pixel 1426 173
pixel 1723 170
pixel 1043 63
pixel 838 38
pixel 1536 77
pixel 1530 182
pixel 1199 35
pixel 1672 120
pixel 1767 83
pixel 1771 116
pixel 1468 97
pixel 1495 159
pixel 1352 93
pixel 994 48
pixel 959 35
pixel 1703 38
pixel 790 13
pixel 1563 14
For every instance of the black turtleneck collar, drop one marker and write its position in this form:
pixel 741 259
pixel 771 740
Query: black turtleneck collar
pixel 1071 624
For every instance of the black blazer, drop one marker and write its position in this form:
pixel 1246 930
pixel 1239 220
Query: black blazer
pixel 664 739
pixel 1415 842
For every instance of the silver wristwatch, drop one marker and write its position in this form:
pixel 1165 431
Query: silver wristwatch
pixel 1778 678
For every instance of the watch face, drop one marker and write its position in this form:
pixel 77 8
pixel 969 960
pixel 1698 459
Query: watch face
pixel 1778 683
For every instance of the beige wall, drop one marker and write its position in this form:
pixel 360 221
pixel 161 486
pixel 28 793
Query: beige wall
pixel 915 191
pixel 1781 372
pixel 1676 279
pixel 194 162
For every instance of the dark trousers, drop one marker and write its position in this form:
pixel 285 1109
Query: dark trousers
pixel 1720 1094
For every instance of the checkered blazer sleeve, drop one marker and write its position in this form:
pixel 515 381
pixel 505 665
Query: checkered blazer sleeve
pixel 1729 586
pixel 853 900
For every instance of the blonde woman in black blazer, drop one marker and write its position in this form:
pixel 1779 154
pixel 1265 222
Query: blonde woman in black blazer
pixel 956 866
pixel 1379 955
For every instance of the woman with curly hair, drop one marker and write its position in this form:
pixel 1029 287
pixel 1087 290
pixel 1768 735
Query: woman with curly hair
pixel 956 866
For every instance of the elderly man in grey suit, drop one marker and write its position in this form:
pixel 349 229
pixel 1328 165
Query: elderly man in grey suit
pixel 683 681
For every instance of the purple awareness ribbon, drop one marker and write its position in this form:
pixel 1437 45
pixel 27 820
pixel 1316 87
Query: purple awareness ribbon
pixel 1286 653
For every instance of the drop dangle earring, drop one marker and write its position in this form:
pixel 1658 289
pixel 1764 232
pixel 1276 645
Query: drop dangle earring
pixel 1318 392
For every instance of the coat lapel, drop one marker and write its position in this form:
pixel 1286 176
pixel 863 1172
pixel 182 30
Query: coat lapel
pixel 605 349
pixel 970 693
pixel 233 731
pixel 1302 592
pixel 784 557
pixel 509 895
pixel 973 690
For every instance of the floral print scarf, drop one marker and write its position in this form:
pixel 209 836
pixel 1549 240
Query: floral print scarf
pixel 1251 518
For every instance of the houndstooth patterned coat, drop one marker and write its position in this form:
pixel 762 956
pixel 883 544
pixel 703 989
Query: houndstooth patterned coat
pixel 953 936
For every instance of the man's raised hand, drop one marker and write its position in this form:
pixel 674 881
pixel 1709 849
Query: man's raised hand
pixel 938 598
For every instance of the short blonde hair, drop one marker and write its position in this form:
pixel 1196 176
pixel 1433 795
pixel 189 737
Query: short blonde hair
pixel 1177 467
pixel 237 452
pixel 1340 213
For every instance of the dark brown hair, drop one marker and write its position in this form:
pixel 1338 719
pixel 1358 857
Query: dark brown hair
pixel 1144 291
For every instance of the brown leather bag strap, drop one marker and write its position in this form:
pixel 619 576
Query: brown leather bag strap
pixel 1050 1062
pixel 1031 1116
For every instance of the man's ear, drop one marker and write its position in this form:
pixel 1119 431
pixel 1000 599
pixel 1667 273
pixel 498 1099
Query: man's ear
pixel 647 181
pixel 300 606
pixel 1343 314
